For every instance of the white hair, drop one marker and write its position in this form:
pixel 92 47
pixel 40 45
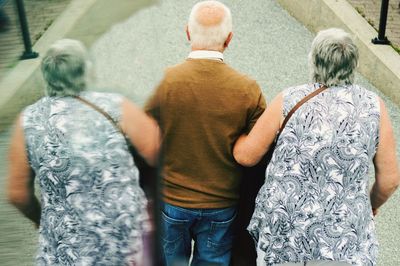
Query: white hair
pixel 333 58
pixel 209 37
pixel 65 68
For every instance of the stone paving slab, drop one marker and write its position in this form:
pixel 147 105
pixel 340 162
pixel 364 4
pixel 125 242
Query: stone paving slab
pixel 40 14
pixel 370 10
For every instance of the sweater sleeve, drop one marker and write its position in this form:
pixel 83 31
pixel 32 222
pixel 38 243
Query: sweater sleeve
pixel 257 107
pixel 152 106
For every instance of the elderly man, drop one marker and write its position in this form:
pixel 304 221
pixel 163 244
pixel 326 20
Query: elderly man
pixel 202 106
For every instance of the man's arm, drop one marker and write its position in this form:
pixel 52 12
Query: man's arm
pixel 152 106
pixel 249 149
pixel 21 178
pixel 258 109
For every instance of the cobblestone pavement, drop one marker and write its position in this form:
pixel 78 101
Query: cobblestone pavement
pixel 268 44
pixel 40 14
pixel 370 10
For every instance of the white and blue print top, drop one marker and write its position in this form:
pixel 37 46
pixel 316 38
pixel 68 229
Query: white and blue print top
pixel 314 204
pixel 93 210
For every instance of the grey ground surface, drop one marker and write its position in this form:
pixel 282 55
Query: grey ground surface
pixel 268 44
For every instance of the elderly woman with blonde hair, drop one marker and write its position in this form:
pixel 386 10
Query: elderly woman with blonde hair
pixel 315 207
pixel 92 210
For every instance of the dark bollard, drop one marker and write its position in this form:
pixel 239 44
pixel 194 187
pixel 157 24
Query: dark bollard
pixel 28 53
pixel 382 39
pixel 4 21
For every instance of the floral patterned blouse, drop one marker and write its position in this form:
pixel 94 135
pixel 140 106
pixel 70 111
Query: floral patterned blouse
pixel 314 204
pixel 93 210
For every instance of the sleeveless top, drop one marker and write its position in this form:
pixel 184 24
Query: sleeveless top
pixel 93 210
pixel 314 204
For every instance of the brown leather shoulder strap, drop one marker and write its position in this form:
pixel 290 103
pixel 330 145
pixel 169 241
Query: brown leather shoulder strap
pixel 98 109
pixel 300 103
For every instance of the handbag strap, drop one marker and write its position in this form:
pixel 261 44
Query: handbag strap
pixel 106 115
pixel 297 106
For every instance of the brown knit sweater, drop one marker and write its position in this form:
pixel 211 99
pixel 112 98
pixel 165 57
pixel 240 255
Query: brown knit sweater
pixel 202 107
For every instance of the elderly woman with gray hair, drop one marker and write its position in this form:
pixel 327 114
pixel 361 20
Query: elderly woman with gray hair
pixel 315 207
pixel 92 210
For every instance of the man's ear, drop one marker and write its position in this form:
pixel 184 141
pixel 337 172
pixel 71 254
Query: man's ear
pixel 228 39
pixel 187 32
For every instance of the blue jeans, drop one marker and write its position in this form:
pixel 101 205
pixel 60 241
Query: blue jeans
pixel 210 229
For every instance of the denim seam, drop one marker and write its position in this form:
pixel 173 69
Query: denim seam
pixel 171 220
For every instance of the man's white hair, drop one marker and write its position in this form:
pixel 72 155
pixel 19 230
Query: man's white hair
pixel 209 37
pixel 333 58
pixel 66 68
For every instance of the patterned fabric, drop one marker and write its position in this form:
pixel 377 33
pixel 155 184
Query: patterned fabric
pixel 314 204
pixel 93 210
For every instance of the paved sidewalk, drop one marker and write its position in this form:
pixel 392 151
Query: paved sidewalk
pixel 370 10
pixel 40 14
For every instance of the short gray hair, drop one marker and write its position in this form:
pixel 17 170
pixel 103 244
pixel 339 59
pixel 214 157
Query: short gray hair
pixel 65 68
pixel 209 37
pixel 333 58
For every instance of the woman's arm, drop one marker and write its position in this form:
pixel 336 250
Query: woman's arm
pixel 249 149
pixel 21 178
pixel 387 176
pixel 142 130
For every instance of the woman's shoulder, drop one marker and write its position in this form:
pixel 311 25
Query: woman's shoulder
pixel 110 102
pixel 294 94
pixel 364 96
pixel 360 90
pixel 33 113
pixel 36 106
pixel 110 96
pixel 301 90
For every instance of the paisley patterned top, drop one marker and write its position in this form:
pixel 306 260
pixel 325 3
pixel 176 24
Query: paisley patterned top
pixel 93 210
pixel 314 204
